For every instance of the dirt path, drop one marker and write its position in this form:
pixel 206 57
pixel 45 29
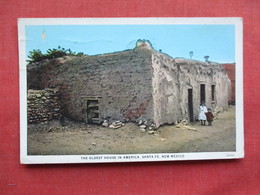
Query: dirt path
pixel 79 138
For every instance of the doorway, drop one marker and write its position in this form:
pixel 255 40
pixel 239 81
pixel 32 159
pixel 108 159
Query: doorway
pixel 202 93
pixel 190 105
pixel 91 110
pixel 213 93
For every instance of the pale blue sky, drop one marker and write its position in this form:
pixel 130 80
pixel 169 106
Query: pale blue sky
pixel 216 41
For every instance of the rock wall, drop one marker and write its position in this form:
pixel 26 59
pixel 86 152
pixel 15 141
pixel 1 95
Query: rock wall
pixel 171 81
pixel 42 105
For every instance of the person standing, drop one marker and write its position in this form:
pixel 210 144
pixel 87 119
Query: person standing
pixel 202 116
pixel 210 117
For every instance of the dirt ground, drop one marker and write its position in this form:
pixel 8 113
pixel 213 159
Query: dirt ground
pixel 76 138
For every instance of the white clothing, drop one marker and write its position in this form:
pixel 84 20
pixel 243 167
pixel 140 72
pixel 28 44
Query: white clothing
pixel 202 111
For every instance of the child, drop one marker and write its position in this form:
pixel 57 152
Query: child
pixel 209 117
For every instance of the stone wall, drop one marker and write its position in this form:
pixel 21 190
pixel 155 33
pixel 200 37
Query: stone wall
pixel 42 105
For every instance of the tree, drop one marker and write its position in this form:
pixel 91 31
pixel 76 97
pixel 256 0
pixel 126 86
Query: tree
pixel 37 56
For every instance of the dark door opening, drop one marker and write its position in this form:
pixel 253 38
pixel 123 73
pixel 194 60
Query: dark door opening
pixel 202 93
pixel 92 111
pixel 213 92
pixel 190 105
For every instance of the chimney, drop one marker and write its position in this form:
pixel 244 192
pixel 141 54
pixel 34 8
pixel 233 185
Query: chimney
pixel 206 58
pixel 191 54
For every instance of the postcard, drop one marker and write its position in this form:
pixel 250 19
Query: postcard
pixel 96 90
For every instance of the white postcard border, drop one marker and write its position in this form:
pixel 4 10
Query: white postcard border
pixel 52 159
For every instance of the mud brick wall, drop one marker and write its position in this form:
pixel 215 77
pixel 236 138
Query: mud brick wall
pixel 173 77
pixel 42 105
pixel 40 74
pixel 121 81
pixel 132 85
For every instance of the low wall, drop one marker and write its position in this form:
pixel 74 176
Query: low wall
pixel 42 105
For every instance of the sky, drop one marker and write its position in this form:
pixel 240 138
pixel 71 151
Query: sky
pixel 215 41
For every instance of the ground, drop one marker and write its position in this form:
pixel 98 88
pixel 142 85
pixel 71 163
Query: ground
pixel 74 138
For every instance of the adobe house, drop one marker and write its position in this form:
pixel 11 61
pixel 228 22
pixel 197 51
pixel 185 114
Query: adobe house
pixel 132 85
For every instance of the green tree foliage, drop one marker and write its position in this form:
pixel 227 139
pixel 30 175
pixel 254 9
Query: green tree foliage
pixel 37 56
